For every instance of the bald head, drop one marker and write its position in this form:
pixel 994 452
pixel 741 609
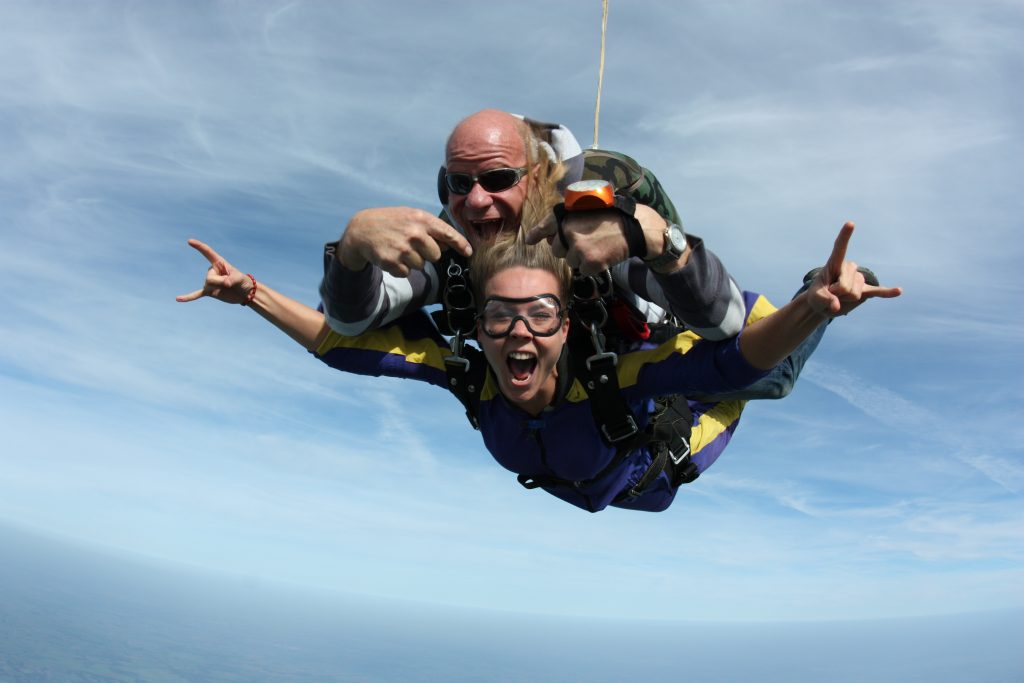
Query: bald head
pixel 487 133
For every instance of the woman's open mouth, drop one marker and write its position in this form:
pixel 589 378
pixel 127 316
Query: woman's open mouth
pixel 521 365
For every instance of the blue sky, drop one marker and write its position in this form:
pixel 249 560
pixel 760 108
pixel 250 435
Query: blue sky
pixel 889 484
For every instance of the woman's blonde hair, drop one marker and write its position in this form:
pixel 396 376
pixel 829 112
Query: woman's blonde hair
pixel 510 251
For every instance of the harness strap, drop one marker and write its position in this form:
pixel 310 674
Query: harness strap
pixel 466 366
pixel 611 412
pixel 669 439
pixel 658 464
pixel 594 367
pixel 466 369
pixel 673 426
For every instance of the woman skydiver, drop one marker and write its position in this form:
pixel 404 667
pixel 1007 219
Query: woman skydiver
pixel 534 416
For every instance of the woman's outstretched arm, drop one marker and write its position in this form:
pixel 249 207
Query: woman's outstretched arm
pixel 837 289
pixel 226 283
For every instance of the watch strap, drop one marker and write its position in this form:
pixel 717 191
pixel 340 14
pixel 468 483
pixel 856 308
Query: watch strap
pixel 631 228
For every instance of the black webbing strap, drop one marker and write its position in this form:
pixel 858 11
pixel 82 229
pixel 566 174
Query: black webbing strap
pixel 631 228
pixel 612 414
pixel 593 366
pixel 658 464
pixel 466 373
pixel 683 472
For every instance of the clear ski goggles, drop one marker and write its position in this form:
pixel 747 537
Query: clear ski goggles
pixel 542 315
pixel 494 180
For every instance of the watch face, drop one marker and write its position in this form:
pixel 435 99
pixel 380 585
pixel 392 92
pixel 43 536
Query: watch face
pixel 677 238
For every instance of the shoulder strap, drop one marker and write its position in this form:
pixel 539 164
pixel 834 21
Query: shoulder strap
pixel 595 368
pixel 466 374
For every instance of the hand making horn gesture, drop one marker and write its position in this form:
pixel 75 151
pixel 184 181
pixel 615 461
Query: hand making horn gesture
pixel 840 286
pixel 223 281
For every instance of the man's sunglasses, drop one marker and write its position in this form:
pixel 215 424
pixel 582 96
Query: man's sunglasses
pixel 494 180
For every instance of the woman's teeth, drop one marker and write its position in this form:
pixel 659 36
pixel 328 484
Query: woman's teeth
pixel 521 364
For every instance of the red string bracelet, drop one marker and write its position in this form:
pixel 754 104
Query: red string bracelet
pixel 252 292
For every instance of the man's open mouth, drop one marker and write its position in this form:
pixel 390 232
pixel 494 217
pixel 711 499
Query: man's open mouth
pixel 488 230
pixel 521 366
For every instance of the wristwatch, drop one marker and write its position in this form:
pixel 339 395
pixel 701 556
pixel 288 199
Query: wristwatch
pixel 675 245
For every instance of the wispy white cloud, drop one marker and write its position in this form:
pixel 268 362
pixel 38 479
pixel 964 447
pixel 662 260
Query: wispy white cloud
pixel 887 407
pixel 878 402
pixel 1007 473
pixel 881 63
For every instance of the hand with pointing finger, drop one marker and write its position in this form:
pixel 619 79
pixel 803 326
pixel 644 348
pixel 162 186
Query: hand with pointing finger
pixel 398 239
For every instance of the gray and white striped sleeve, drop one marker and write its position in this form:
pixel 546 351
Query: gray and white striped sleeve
pixel 355 302
pixel 700 294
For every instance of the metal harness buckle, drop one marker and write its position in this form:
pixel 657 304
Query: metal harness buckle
pixel 457 359
pixel 621 432
pixel 459 305
pixel 682 456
